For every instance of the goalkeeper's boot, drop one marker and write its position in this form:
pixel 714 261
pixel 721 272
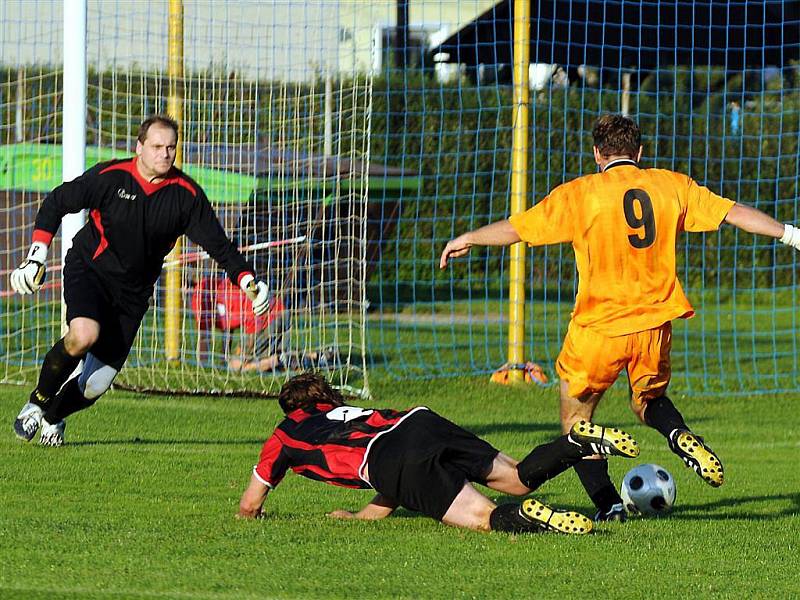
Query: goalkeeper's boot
pixel 604 440
pixel 549 519
pixel 615 513
pixel 28 421
pixel 697 456
pixel 53 435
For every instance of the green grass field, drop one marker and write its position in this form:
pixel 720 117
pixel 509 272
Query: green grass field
pixel 140 504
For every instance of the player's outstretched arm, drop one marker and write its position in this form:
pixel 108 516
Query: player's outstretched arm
pixel 69 197
pixel 753 220
pixel 379 507
pixel 499 233
pixel 253 499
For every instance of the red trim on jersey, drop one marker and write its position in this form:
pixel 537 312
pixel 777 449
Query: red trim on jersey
pixel 129 166
pixel 241 275
pixel 183 183
pixel 298 414
pixel 357 435
pixel 261 479
pixel 95 214
pixel 292 443
pixel 326 475
pixel 269 454
pixel 40 235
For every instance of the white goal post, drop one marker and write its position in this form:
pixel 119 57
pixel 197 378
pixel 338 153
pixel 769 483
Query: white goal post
pixel 276 131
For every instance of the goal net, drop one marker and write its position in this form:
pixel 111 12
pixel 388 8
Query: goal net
pixel 275 128
pixel 344 142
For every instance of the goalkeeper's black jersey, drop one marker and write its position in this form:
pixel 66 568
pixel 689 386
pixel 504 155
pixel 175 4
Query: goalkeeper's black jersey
pixel 133 224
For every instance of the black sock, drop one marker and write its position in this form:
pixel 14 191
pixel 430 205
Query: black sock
pixel 507 517
pixel 661 414
pixel 548 460
pixel 66 402
pixel 56 367
pixel 594 477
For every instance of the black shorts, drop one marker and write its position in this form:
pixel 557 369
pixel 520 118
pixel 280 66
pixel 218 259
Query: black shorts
pixel 87 296
pixel 425 461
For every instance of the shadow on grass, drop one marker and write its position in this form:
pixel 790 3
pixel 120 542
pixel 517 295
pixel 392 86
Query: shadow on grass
pixel 145 442
pixel 553 427
pixel 492 428
pixel 741 505
pixel 541 497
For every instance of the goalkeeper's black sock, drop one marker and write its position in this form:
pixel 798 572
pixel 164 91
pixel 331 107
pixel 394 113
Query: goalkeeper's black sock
pixel 594 477
pixel 67 401
pixel 508 518
pixel 56 367
pixel 548 460
pixel 661 414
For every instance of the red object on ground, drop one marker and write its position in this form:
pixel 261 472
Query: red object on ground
pixel 217 303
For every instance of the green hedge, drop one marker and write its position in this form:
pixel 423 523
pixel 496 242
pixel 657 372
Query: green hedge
pixel 457 138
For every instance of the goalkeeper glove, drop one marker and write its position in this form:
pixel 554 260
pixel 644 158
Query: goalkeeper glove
pixel 791 236
pixel 257 291
pixel 29 276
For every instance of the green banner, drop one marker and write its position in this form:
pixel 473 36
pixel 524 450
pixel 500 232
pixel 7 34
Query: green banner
pixel 37 168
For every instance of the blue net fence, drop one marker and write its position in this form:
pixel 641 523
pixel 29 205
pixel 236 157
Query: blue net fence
pixel 423 102
pixel 716 91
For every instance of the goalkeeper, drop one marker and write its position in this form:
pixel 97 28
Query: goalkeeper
pixel 623 223
pixel 138 208
pixel 418 460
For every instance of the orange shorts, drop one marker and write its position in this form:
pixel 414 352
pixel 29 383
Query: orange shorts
pixel 590 362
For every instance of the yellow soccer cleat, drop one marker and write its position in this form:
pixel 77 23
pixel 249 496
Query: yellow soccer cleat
pixel 604 440
pixel 697 456
pixel 549 519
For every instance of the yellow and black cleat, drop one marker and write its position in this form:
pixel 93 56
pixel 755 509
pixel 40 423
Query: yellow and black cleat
pixel 697 456
pixel 604 440
pixel 562 521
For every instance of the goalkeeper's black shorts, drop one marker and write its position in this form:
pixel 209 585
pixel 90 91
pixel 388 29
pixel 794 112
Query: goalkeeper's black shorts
pixel 425 461
pixel 87 296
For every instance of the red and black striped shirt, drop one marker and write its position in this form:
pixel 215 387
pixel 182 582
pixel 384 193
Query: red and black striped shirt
pixel 326 443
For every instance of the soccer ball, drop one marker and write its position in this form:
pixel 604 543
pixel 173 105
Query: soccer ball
pixel 648 489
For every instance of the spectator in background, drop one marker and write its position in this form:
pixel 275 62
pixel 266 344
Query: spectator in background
pixel 263 339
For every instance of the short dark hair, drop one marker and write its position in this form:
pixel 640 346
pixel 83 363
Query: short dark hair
pixel 307 390
pixel 617 135
pixel 165 120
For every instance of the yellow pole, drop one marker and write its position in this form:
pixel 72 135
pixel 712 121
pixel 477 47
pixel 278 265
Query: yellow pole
pixel 519 186
pixel 172 283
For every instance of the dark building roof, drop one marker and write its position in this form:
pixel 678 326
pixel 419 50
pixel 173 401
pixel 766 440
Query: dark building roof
pixel 611 34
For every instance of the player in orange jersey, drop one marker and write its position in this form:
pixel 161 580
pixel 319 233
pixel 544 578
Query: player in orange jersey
pixel 623 223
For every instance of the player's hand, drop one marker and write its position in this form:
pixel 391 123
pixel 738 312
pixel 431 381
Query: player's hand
pixel 459 246
pixel 791 236
pixel 251 515
pixel 29 276
pixel 258 292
